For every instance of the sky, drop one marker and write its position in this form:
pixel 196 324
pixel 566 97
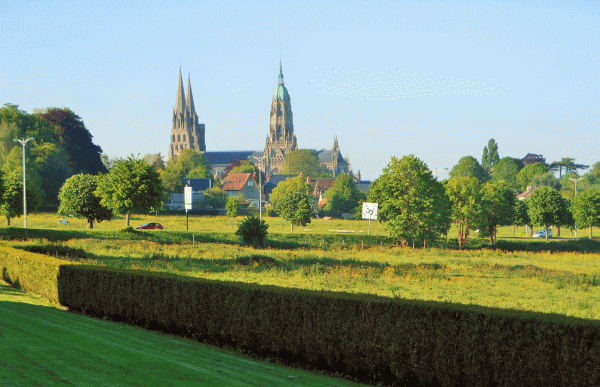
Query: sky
pixel 436 79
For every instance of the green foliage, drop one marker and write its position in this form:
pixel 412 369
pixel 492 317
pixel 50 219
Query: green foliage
pixel 568 163
pixel 291 200
pixel 526 175
pixel 546 180
pixel 132 184
pixel 305 162
pixel 154 159
pixel 188 164
pixel 521 216
pixel 490 155
pixel 53 165
pixel 381 337
pixel 12 198
pixel 343 196
pixel 78 199
pixel 469 166
pixel 253 231
pixel 75 138
pixel 507 169
pixel 498 203
pixel 215 197
pixel 31 272
pixel 245 166
pixel 593 176
pixel 232 206
pixel 465 197
pixel 586 209
pixel 412 203
pixel 545 206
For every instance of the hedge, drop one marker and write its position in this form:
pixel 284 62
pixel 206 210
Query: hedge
pixel 391 340
pixel 34 273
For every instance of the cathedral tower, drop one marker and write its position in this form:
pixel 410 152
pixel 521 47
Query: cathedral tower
pixel 281 139
pixel 186 132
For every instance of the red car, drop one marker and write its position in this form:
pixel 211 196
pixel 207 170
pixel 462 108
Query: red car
pixel 150 226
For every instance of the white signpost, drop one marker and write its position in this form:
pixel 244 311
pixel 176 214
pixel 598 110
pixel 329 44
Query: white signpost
pixel 187 199
pixel 369 211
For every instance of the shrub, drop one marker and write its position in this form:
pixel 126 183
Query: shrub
pixel 253 231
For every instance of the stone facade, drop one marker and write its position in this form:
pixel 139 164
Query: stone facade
pixel 186 132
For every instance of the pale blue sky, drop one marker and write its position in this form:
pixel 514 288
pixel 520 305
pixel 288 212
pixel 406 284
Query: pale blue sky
pixel 433 78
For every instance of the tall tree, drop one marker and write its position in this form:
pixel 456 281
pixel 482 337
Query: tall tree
pixel 411 202
pixel 498 202
pixel 521 217
pixel 464 193
pixel 586 209
pixel 545 206
pixel 52 163
pixel 306 162
pixel 507 169
pixel 78 199
pixel 291 200
pixel 593 176
pixel 76 139
pixel 12 198
pixel 528 173
pixel 492 155
pixel 132 184
pixel 342 196
pixel 568 163
pixel 469 166
pixel 188 164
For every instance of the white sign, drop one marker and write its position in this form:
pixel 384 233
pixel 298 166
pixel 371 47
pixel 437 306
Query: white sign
pixel 187 197
pixel 369 211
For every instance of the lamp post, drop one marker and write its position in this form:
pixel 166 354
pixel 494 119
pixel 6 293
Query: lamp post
pixel 260 163
pixel 575 181
pixel 24 142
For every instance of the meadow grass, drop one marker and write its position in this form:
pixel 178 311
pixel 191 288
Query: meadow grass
pixel 42 345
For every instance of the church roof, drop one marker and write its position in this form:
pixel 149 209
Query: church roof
pixel 326 156
pixel 224 157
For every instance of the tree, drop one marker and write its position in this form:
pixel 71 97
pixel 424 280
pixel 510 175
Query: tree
pixel 546 180
pixel 75 138
pixel 528 173
pixel 498 202
pixel 464 193
pixel 78 199
pixel 188 164
pixel 544 207
pixel 132 184
pixel 215 197
pixel 568 164
pixel 12 198
pixel 469 166
pixel 232 206
pixel 521 217
pixel 154 159
pixel 342 196
pixel 490 155
pixel 305 162
pixel 253 230
pixel 593 176
pixel 507 169
pixel 52 163
pixel 411 202
pixel 586 209
pixel 291 201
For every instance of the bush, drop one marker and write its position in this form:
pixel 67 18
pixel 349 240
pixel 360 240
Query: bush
pixel 253 231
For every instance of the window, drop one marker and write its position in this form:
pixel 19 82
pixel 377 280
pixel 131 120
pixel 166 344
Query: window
pixel 178 138
pixel 184 137
pixel 173 138
pixel 250 183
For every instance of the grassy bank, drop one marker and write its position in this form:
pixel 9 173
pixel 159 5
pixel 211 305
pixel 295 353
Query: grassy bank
pixel 43 345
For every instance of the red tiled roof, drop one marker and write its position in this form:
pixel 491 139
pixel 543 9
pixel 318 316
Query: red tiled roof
pixel 526 194
pixel 321 185
pixel 236 181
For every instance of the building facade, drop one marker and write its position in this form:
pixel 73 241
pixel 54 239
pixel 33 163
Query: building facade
pixel 186 131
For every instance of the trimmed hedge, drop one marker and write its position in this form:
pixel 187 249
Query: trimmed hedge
pixel 31 272
pixel 391 340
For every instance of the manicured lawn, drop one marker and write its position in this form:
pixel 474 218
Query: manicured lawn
pixel 40 344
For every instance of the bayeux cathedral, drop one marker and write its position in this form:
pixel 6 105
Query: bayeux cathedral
pixel 188 133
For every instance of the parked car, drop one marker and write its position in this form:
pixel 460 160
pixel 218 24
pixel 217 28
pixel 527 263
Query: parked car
pixel 150 226
pixel 542 234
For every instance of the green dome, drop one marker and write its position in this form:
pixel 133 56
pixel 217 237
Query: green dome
pixel 281 93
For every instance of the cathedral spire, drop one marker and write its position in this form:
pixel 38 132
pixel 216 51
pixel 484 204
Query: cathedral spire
pixel 190 98
pixel 280 82
pixel 180 101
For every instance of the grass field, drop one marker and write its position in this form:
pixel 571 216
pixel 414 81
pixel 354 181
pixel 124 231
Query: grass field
pixel 43 345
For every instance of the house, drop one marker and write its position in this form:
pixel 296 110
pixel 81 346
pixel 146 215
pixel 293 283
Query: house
pixel 320 186
pixel 242 183
pixel 526 194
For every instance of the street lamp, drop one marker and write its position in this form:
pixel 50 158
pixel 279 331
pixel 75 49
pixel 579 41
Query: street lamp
pixel 23 143
pixel 260 163
pixel 575 181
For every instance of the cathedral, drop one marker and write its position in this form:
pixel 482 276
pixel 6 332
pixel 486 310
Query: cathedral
pixel 187 133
